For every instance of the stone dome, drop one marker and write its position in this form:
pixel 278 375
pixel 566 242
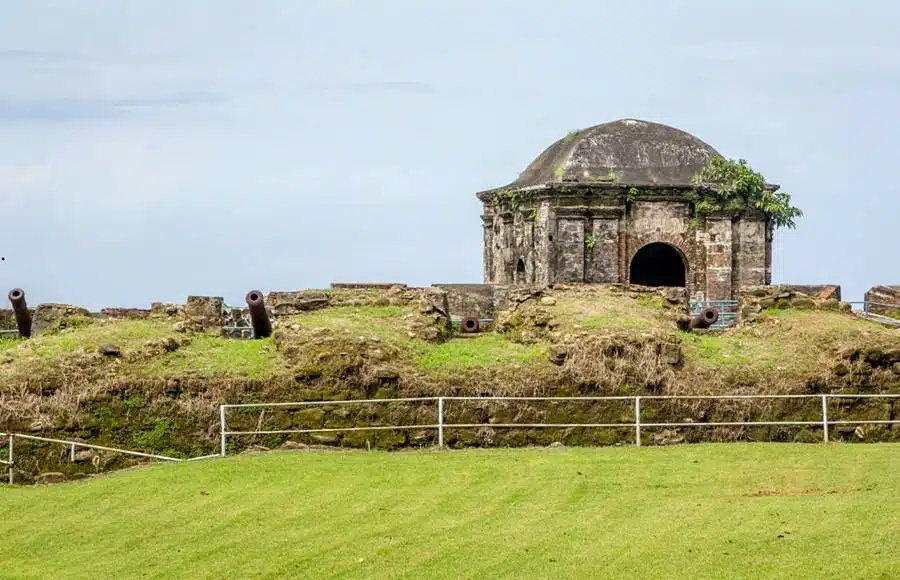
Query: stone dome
pixel 627 151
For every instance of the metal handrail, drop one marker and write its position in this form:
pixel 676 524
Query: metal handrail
pixel 637 425
pixel 10 460
pixel 881 304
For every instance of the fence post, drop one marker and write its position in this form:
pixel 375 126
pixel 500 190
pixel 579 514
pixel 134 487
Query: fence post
pixel 222 430
pixel 825 417
pixel 11 458
pixel 72 453
pixel 637 421
pixel 440 422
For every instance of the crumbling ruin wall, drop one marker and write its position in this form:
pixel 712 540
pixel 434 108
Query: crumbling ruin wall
pixel 754 300
pixel 592 237
pixel 880 300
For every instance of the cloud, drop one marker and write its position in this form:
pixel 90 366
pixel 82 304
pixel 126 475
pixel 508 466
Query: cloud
pixel 65 109
pixel 24 54
pixel 369 87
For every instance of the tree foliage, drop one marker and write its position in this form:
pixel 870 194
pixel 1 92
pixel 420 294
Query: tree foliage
pixel 732 185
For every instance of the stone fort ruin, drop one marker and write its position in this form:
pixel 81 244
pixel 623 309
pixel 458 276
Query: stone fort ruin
pixel 616 204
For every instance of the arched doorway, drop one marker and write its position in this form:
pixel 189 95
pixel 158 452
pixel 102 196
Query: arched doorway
pixel 658 264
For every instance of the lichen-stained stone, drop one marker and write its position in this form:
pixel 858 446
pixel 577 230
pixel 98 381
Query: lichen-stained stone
pixel 206 310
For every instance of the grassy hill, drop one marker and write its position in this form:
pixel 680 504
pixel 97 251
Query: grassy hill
pixel 694 511
pixel 156 387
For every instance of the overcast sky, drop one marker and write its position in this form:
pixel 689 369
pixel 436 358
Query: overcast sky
pixel 154 149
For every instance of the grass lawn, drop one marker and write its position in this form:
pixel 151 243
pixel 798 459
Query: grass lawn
pixel 692 511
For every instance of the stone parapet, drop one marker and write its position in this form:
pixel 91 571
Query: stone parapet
pixel 881 299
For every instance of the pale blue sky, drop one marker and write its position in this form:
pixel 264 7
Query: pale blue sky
pixel 151 150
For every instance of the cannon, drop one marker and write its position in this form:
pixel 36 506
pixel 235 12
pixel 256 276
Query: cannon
pixel 20 309
pixel 259 318
pixel 704 319
pixel 470 324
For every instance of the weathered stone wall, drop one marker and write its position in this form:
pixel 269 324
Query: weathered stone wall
pixel 545 217
pixel 484 300
pixel 817 291
pixel 126 313
pixel 717 245
pixel 194 435
pixel 749 254
pixel 594 236
pixel 569 246
pixel 366 285
pixel 469 299
pixel 205 311
pixel 754 300
pixel 603 257
pixel 884 295
pixel 47 316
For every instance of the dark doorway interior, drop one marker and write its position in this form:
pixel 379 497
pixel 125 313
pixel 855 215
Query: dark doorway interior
pixel 519 274
pixel 658 264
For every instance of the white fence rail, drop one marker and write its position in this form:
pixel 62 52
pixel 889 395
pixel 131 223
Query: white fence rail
pixel 440 424
pixel 73 445
pixel 637 424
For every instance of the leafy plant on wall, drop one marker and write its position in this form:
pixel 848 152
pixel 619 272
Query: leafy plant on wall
pixel 732 185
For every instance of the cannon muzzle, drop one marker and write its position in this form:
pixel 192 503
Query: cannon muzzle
pixel 470 324
pixel 706 318
pixel 20 309
pixel 259 318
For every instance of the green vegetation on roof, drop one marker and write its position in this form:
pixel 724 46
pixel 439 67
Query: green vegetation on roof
pixel 735 186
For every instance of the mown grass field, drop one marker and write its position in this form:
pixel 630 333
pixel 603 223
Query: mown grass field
pixel 693 511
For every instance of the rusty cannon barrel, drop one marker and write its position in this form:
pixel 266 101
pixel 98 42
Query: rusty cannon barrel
pixel 259 318
pixel 705 318
pixel 20 309
pixel 470 324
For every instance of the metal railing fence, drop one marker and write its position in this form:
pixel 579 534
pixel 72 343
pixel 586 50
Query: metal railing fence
pixel 867 305
pixel 441 426
pixel 73 445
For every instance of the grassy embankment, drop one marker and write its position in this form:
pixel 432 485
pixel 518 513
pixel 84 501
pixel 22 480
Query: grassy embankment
pixel 785 345
pixel 160 394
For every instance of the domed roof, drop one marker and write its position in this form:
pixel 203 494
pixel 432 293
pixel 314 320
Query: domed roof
pixel 627 151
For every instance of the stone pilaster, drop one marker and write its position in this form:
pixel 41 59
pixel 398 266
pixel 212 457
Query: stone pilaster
pixel 717 247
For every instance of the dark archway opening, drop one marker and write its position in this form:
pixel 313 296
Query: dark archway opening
pixel 658 264
pixel 519 276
